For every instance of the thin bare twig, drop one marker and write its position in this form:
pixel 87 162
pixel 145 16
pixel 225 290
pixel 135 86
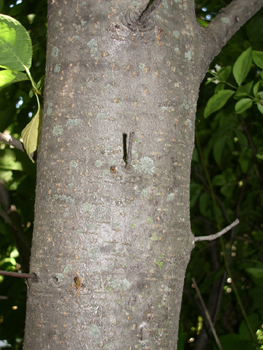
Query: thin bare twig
pixel 218 234
pixel 2 297
pixel 148 11
pixel 207 315
pixel 8 139
pixel 18 274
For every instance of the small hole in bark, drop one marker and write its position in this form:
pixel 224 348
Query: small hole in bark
pixel 54 280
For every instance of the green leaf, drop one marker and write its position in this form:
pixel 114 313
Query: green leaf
pixel 219 87
pixel 15 45
pixel 242 66
pixel 224 73
pixel 13 159
pixel 241 137
pixel 260 107
pixel 254 322
pixel 40 83
pixel 243 104
pixel 258 58
pixel 259 156
pixel 195 190
pixel 236 341
pixel 218 148
pixel 8 160
pixel 257 235
pixel 256 272
pixel 255 88
pixel 10 76
pixel 217 101
pixel 218 180
pixel 205 204
pixel 243 90
pixel 245 159
pixel 31 133
pixel 203 23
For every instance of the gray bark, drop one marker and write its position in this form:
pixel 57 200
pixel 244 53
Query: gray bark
pixel 111 244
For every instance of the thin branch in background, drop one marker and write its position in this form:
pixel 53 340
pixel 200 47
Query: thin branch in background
pixel 207 315
pixel 2 297
pixel 9 140
pixel 219 299
pixel 148 11
pixel 218 234
pixel 18 274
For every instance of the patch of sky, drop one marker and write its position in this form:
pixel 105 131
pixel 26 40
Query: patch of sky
pixel 20 102
pixel 208 17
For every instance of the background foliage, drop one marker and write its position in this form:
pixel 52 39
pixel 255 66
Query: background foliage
pixel 226 184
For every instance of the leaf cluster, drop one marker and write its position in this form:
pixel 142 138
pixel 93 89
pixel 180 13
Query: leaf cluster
pixel 227 183
pixel 17 172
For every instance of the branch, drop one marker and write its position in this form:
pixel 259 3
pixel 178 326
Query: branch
pixel 8 139
pixel 218 234
pixel 228 21
pixel 18 274
pixel 207 315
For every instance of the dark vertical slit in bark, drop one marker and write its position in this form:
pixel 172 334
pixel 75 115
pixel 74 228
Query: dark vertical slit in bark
pixel 124 141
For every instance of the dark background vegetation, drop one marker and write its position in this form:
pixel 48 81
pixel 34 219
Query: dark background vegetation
pixel 226 184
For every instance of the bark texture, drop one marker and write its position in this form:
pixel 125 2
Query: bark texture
pixel 111 244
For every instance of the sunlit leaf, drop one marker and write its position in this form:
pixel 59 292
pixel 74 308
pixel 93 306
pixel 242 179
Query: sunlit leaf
pixel 31 133
pixel 217 101
pixel 8 160
pixel 203 23
pixel 242 66
pixel 14 159
pixel 15 45
pixel 10 76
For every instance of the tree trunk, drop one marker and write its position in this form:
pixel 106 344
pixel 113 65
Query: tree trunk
pixel 112 236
